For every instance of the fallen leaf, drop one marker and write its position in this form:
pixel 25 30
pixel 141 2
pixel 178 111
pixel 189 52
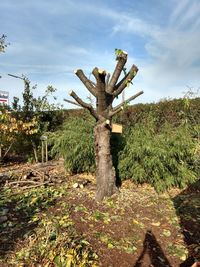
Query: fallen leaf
pixel 155 223
pixel 166 233
pixel 110 245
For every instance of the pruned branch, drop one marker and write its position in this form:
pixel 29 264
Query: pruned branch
pixel 122 58
pixel 101 103
pixel 106 123
pixel 71 102
pixel 122 85
pixel 88 84
pixel 127 101
pixel 84 104
pixel 99 74
pixel 115 111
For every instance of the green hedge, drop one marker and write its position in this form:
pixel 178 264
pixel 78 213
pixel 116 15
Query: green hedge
pixel 159 145
pixel 175 112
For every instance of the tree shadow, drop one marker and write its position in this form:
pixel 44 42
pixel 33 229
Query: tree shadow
pixel 187 205
pixel 117 144
pixel 16 213
pixel 153 250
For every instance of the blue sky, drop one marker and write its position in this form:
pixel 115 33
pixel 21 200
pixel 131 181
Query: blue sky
pixel 50 39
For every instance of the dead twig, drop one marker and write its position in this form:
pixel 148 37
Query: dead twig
pixel 22 182
pixel 37 185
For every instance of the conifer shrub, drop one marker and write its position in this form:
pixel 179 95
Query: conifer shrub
pixel 75 143
pixel 164 158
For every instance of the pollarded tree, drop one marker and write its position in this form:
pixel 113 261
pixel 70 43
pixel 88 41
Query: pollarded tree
pixel 105 90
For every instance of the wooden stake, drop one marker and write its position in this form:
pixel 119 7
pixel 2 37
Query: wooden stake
pixel 42 151
pixel 46 146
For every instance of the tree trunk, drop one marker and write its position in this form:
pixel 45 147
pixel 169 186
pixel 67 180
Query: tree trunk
pixel 105 172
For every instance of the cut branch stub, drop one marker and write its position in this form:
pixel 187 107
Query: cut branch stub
pixel 122 58
pixel 124 82
pixel 116 109
pixel 88 84
pixel 99 75
pixel 102 107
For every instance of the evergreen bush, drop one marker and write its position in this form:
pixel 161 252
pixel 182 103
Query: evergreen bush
pixel 164 153
pixel 75 143
pixel 162 158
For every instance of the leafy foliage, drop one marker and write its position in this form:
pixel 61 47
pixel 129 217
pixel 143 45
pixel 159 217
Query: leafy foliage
pixel 55 243
pixel 11 128
pixel 75 143
pixel 43 113
pixel 48 239
pixel 164 159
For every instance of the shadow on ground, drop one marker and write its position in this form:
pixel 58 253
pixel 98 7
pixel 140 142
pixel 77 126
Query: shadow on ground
pixel 152 250
pixel 187 206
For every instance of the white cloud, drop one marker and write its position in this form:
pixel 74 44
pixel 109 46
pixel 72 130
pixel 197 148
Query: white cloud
pixel 174 51
pixel 185 14
pixel 178 10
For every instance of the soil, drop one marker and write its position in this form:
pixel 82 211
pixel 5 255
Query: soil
pixel 134 228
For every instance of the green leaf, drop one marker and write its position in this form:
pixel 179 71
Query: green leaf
pixel 57 261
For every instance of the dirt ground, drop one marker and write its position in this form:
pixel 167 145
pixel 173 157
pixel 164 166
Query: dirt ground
pixel 134 228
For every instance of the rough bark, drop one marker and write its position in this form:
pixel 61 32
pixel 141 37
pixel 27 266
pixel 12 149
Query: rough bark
pixel 105 172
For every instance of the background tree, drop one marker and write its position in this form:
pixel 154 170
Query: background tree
pixel 38 108
pixel 11 128
pixel 3 43
pixel 105 90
